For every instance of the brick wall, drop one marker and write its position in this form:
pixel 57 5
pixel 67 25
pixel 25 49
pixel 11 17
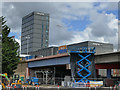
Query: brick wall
pixel 21 68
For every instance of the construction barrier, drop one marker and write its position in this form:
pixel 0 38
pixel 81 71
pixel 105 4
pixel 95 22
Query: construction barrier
pixel 62 88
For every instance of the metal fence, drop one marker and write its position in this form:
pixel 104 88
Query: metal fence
pixel 63 83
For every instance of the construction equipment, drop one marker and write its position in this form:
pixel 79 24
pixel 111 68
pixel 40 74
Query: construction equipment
pixel 35 80
pixel 16 82
pixel 82 64
pixel 4 83
pixel 32 81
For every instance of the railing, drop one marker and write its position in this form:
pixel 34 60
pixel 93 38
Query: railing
pixel 64 83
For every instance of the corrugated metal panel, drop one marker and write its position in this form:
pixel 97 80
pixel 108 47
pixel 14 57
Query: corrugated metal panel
pixel 49 62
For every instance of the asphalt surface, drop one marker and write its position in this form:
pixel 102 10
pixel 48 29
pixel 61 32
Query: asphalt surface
pixel 61 88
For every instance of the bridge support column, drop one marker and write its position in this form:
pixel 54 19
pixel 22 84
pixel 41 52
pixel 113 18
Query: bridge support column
pixel 108 73
pixel 97 72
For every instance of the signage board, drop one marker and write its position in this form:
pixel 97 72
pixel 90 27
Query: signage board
pixel 62 49
pixel 40 13
pixel 96 83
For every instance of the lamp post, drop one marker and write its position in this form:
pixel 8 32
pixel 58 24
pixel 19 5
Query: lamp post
pixel 27 37
pixel 54 75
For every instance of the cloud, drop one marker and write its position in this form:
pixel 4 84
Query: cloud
pixel 103 27
pixel 100 25
pixel 59 33
pixel 108 6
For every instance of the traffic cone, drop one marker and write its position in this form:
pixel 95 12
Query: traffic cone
pixel 88 84
pixel 15 86
pixel 36 87
pixel 58 87
pixel 9 87
pixel 23 87
pixel 110 87
pixel 115 87
pixel 26 87
pixel 95 87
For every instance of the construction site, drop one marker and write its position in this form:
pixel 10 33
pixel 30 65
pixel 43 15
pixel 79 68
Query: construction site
pixel 87 65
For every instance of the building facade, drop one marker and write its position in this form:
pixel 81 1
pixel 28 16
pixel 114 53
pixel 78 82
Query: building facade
pixel 0 45
pixel 45 52
pixel 49 51
pixel 100 47
pixel 35 32
pixel 106 65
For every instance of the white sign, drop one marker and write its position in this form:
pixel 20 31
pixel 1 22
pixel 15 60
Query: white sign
pixel 96 83
pixel 40 13
pixel 97 44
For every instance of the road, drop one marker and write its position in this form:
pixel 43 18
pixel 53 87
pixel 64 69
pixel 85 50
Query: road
pixel 62 88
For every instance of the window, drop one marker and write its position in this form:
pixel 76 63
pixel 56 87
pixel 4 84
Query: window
pixel 47 17
pixel 47 22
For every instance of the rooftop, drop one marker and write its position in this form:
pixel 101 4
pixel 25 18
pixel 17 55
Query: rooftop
pixel 64 55
pixel 48 57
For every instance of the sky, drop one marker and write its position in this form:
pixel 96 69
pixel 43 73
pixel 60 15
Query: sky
pixel 70 22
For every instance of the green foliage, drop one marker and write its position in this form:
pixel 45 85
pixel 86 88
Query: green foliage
pixel 10 56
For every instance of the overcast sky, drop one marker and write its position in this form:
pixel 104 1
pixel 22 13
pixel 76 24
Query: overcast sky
pixel 69 22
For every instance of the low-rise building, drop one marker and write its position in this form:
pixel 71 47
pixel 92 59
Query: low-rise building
pixel 49 51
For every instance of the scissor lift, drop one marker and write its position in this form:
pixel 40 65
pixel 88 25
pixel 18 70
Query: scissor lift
pixel 82 64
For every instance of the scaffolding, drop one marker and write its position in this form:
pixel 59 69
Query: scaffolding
pixel 84 64
pixel 47 76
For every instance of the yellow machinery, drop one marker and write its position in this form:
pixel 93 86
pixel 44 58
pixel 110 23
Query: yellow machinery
pixel 5 76
pixel 3 86
pixel 16 81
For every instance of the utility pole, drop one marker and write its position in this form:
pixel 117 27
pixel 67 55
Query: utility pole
pixel 54 75
pixel 28 37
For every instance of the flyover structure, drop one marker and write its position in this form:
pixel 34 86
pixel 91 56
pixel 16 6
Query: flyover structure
pixel 61 62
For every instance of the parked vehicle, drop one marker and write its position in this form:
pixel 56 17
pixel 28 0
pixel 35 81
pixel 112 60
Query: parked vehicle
pixel 32 81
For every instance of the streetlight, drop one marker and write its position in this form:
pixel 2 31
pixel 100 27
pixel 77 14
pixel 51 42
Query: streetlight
pixel 27 37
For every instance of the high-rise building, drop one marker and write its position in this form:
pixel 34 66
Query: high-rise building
pixel 35 32
pixel 0 46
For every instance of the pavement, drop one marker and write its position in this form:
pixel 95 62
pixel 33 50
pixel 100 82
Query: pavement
pixel 49 87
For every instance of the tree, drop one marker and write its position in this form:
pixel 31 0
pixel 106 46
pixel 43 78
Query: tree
pixel 10 55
